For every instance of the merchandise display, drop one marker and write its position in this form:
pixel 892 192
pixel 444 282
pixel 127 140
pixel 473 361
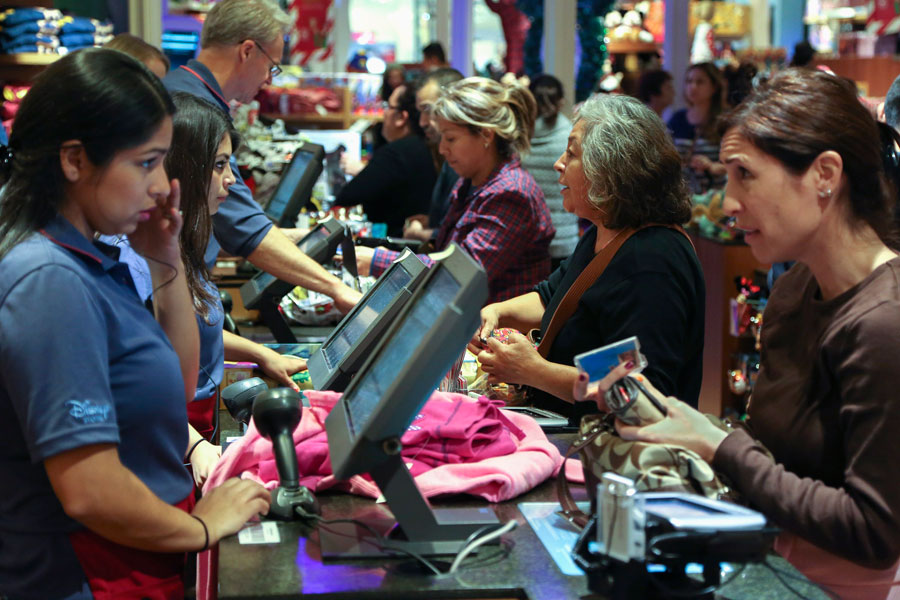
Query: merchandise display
pixel 47 31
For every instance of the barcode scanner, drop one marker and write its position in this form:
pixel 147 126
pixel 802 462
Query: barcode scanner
pixel 276 413
pixel 239 396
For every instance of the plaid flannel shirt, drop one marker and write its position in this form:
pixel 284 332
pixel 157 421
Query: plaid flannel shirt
pixel 504 224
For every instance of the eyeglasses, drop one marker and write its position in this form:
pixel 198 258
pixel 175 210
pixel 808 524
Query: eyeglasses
pixel 386 105
pixel 275 69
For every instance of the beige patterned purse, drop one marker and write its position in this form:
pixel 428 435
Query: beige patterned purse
pixel 652 467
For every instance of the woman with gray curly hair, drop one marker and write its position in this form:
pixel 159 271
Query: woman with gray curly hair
pixel 620 171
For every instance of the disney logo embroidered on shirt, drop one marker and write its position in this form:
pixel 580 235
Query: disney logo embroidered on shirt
pixel 86 411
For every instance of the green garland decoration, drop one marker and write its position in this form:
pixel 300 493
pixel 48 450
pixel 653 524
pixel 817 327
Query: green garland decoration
pixel 534 10
pixel 592 35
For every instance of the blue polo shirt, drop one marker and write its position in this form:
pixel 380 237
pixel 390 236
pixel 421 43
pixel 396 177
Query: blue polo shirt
pixel 212 344
pixel 240 225
pixel 212 347
pixel 82 362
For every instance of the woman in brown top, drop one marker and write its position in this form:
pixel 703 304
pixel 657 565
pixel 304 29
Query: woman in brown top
pixel 806 183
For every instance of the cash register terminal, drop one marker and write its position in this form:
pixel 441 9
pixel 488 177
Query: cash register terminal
pixel 365 426
pixel 264 291
pixel 351 342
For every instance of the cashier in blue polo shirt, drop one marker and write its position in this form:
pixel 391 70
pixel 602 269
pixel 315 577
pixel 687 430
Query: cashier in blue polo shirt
pixel 241 44
pixel 96 501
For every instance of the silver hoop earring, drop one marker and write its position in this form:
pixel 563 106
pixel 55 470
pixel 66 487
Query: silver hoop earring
pixel 825 194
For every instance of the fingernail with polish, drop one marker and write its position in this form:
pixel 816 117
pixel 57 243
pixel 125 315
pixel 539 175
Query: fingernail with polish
pixel 582 377
pixel 629 364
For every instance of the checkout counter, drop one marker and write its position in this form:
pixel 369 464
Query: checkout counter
pixel 520 568
pixel 284 559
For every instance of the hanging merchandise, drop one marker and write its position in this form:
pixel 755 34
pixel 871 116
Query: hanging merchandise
pixel 311 37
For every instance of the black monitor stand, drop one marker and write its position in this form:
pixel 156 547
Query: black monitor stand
pixel 270 314
pixel 418 528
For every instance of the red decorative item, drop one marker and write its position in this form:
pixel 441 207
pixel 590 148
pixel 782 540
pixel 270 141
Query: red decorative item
pixel 884 18
pixel 311 35
pixel 515 27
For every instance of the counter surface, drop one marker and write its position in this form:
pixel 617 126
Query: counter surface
pixel 521 568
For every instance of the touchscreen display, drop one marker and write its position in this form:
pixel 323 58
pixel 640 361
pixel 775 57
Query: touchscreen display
pixel 289 182
pixel 441 290
pixel 365 315
pixel 675 508
pixel 319 234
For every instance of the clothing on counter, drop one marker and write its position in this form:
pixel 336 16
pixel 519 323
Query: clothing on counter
pixel 503 224
pixel 547 144
pixel 76 40
pixel 689 142
pixel 240 225
pixel 71 24
pixel 43 27
pixel 653 288
pixel 395 185
pixel 441 195
pixel 14 16
pixel 82 362
pixel 828 379
pixel 455 445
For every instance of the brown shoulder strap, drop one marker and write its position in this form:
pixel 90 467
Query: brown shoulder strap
pixel 570 510
pixel 566 307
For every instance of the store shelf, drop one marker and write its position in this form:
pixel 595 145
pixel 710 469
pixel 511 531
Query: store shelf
pixel 19 3
pixel 25 66
pixel 331 120
pixel 27 59
pixel 626 47
pixel 188 8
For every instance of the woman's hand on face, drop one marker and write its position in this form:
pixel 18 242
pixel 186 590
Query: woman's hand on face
pixel 364 256
pixel 489 320
pixel 595 391
pixel 280 367
pixel 157 237
pixel 203 459
pixel 683 426
pixel 226 508
pixel 516 361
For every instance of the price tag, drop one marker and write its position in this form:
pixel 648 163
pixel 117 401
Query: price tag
pixel 265 532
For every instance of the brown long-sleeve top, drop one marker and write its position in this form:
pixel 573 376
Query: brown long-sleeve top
pixel 827 405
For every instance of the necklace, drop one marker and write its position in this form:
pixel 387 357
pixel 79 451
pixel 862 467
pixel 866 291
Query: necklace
pixel 608 242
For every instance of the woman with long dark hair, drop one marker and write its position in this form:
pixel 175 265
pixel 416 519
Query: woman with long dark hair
pixel 806 183
pixel 203 141
pixel 96 500
pixel 694 128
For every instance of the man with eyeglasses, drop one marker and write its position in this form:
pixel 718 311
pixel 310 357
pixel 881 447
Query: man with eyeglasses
pixel 240 47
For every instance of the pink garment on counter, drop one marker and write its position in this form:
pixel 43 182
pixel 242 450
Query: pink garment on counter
pixel 847 580
pixel 455 445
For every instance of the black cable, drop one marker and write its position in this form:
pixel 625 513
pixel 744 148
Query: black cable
pixel 383 543
pixel 169 280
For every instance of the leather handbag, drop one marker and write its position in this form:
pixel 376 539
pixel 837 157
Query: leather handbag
pixel 652 467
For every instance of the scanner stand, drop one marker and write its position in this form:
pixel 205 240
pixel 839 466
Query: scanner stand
pixel 285 501
pixel 419 528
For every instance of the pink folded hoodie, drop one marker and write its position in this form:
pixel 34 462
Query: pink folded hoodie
pixel 455 445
